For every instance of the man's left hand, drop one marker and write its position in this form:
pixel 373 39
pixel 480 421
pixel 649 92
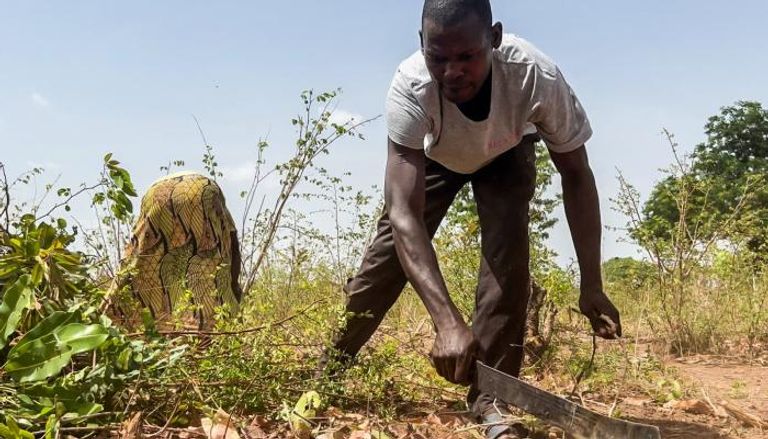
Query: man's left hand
pixel 603 316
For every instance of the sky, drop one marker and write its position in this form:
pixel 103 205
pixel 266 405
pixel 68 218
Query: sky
pixel 79 79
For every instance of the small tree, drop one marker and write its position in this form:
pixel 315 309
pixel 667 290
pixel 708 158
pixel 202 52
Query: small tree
pixel 734 156
pixel 679 238
pixel 316 132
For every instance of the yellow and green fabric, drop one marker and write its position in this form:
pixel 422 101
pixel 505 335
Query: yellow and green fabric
pixel 183 260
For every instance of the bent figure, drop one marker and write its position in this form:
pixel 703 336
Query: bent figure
pixel 183 260
pixel 467 109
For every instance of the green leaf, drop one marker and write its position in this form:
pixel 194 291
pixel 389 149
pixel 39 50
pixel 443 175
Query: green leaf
pixel 46 354
pixel 118 180
pixel 15 300
pixel 379 434
pixel 98 198
pixel 86 408
pixel 305 408
pixel 12 425
pixel 8 266
pixel 51 427
pixel 82 338
pixel 38 359
pixel 31 247
pixel 12 430
pixel 47 326
pixel 124 359
pixel 37 274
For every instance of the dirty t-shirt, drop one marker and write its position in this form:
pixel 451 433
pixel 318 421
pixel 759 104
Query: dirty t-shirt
pixel 528 95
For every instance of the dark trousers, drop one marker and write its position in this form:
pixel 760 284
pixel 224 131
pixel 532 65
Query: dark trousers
pixel 503 190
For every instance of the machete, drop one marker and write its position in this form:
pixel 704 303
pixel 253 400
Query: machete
pixel 576 420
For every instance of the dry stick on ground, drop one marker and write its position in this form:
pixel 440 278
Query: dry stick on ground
pixel 586 367
pixel 167 422
pixel 712 405
pixel 742 416
pixel 91 429
pixel 189 431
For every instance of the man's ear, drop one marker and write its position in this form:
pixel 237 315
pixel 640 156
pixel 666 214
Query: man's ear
pixel 421 39
pixel 496 34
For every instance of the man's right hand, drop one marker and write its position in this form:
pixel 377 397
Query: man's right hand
pixel 453 353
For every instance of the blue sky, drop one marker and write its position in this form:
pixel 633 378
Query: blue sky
pixel 81 78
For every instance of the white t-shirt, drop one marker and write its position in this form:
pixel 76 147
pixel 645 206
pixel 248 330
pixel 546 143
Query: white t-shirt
pixel 528 95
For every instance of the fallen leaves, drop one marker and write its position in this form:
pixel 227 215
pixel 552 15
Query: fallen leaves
pixel 333 423
pixel 748 419
pixel 258 427
pixel 693 406
pixel 722 408
pixel 131 429
pixel 305 409
pixel 220 427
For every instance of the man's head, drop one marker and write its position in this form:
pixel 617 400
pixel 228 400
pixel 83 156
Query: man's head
pixel 458 38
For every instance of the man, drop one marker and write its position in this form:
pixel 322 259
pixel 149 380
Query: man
pixel 468 108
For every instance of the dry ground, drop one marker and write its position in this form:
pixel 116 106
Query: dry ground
pixel 712 382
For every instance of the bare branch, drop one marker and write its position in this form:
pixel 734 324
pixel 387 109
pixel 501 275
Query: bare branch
pixel 68 199
pixel 241 332
pixel 7 204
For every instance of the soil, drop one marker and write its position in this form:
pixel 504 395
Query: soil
pixel 711 383
pixel 732 381
pixel 721 378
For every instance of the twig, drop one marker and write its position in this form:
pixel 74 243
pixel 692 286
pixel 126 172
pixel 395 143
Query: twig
pixel 712 405
pixel 302 160
pixel 89 429
pixel 168 422
pixel 585 368
pixel 191 431
pixel 65 202
pixel 504 421
pixel 134 392
pixel 742 416
pixel 192 381
pixel 200 130
pixel 241 332
pixel 7 193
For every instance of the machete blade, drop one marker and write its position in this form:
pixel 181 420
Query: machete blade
pixel 576 420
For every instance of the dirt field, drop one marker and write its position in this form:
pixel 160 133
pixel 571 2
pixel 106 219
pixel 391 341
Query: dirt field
pixel 727 398
pixel 732 382
pixel 716 382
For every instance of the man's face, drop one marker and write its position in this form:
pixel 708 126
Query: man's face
pixel 459 57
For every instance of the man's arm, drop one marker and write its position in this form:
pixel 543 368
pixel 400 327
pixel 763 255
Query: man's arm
pixel 404 192
pixel 582 208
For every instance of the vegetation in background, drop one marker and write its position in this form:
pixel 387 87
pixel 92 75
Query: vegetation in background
pixel 64 363
pixel 67 369
pixel 702 228
pixel 724 181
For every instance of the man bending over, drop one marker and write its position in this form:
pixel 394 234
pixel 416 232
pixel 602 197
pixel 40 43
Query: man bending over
pixel 468 108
